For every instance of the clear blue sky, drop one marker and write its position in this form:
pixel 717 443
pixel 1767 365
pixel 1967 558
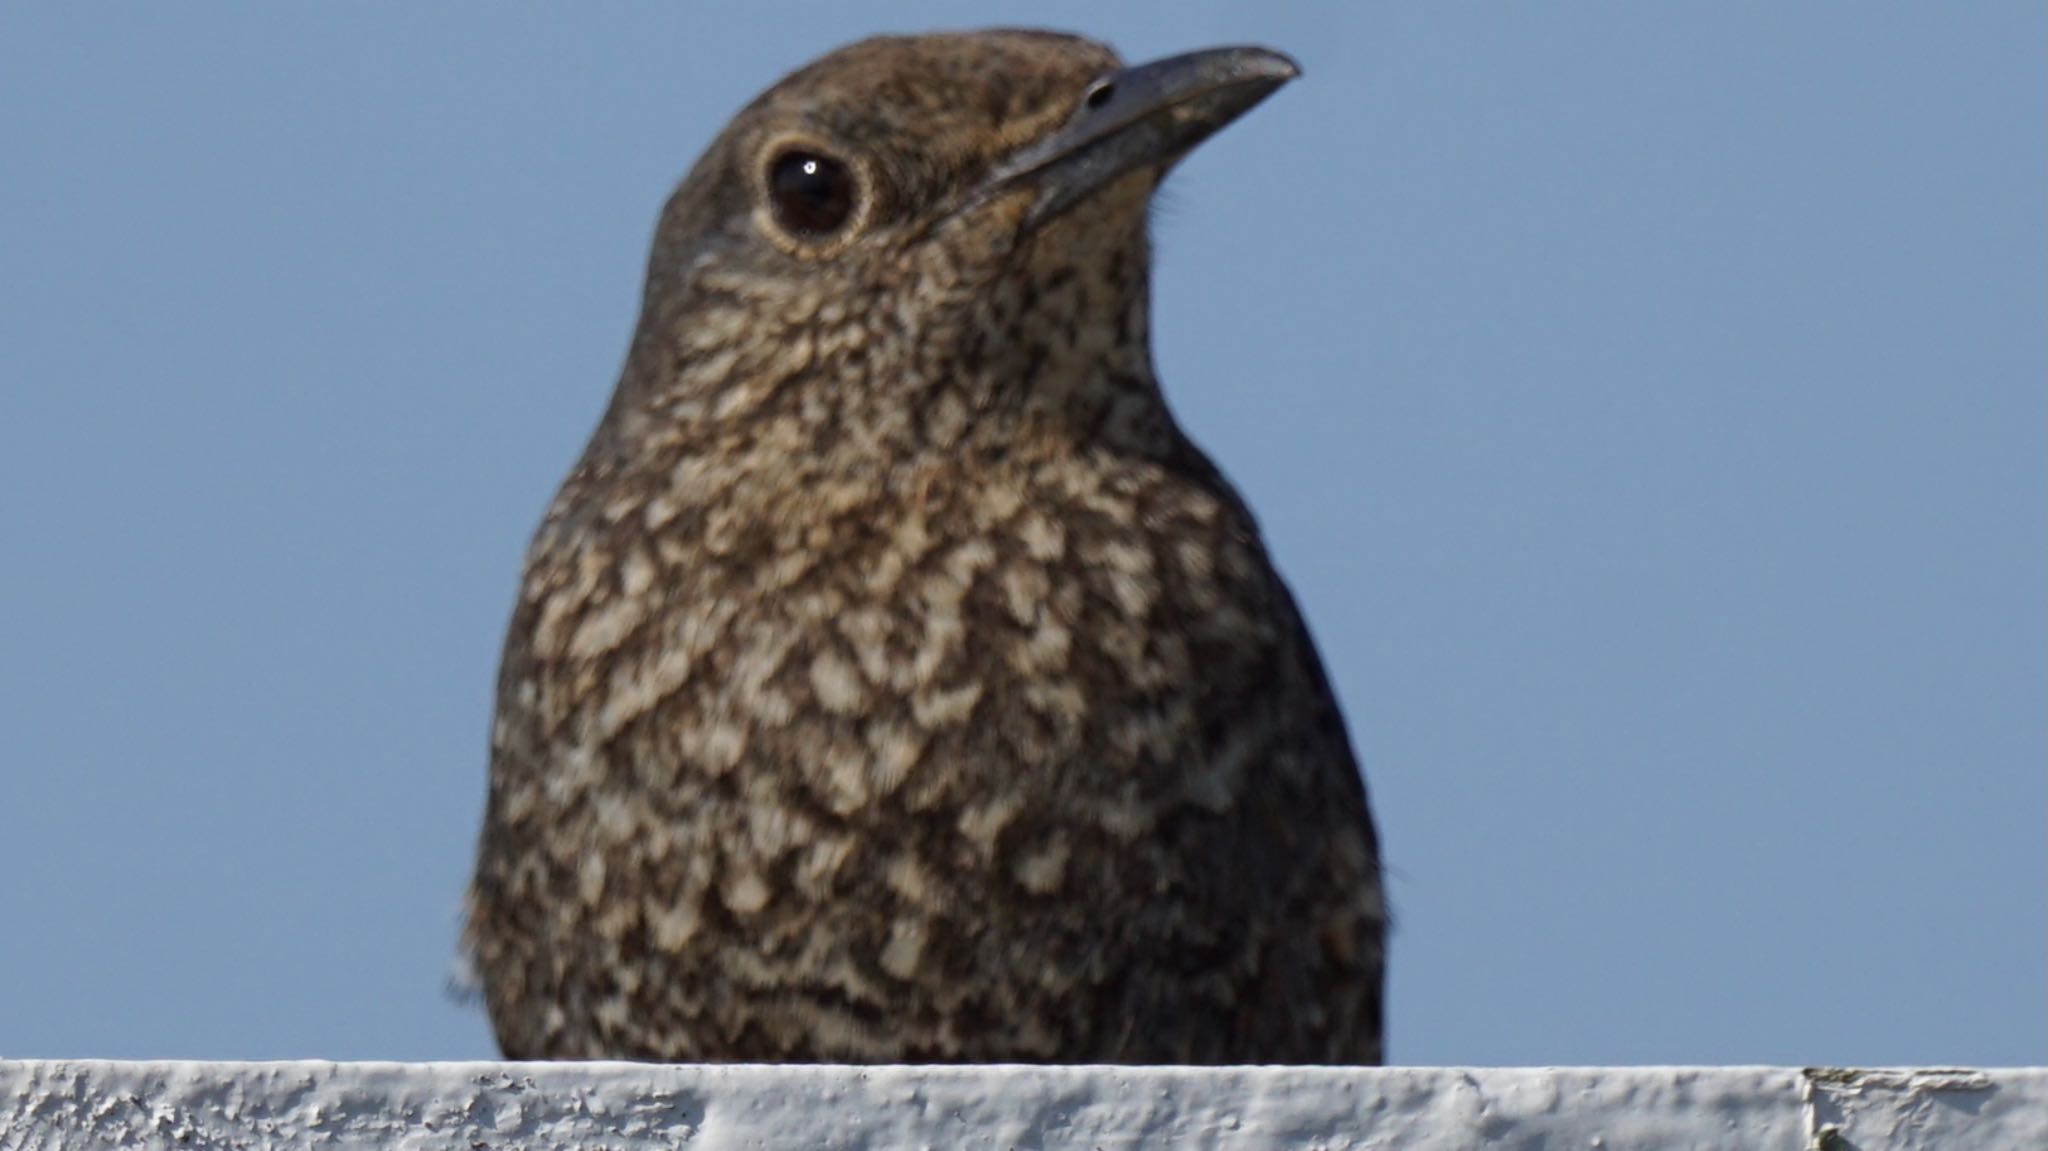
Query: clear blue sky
pixel 1647 402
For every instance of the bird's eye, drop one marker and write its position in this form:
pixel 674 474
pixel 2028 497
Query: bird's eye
pixel 813 194
pixel 1098 94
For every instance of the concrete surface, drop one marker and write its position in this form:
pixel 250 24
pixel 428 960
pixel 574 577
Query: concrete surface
pixel 620 1105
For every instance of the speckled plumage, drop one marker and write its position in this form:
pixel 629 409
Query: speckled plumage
pixel 891 680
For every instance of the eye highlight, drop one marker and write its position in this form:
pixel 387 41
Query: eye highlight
pixel 812 194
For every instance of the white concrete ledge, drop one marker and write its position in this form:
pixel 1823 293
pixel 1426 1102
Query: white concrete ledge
pixel 468 1106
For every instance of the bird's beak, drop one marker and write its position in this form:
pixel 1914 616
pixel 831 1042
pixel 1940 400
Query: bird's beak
pixel 1147 116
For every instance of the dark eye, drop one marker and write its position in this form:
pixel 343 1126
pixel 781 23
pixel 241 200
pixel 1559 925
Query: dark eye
pixel 1098 94
pixel 813 193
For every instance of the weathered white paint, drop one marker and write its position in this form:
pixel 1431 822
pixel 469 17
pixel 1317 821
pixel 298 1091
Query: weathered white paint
pixel 622 1105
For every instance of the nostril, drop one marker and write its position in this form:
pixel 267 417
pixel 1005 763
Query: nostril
pixel 1098 94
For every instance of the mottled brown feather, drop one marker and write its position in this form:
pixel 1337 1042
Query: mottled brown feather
pixel 891 680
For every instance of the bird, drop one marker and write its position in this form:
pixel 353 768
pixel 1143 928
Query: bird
pixel 892 679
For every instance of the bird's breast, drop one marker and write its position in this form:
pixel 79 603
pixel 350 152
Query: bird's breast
pixel 1035 615
pixel 825 741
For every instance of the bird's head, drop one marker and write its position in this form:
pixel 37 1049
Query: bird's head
pixel 933 226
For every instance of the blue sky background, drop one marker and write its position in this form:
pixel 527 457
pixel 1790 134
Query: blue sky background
pixel 1647 402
